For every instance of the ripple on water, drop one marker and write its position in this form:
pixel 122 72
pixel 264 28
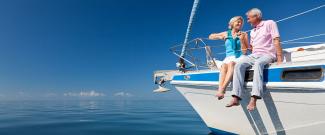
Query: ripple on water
pixel 107 117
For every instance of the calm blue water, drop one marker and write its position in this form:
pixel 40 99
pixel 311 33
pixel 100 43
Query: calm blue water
pixel 105 117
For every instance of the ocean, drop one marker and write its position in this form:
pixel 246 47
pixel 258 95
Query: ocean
pixel 100 117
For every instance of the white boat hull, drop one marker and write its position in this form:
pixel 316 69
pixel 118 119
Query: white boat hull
pixel 294 100
pixel 296 112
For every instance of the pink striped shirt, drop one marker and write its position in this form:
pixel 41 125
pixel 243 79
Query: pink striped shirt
pixel 262 38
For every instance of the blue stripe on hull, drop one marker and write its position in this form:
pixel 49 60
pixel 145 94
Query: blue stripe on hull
pixel 213 76
pixel 270 75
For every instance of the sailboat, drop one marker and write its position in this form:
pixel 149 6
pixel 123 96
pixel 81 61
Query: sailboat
pixel 294 99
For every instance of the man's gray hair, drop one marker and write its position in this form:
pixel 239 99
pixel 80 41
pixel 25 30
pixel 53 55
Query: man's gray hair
pixel 256 12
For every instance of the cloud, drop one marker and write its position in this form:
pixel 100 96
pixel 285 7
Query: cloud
pixel 50 95
pixel 85 94
pixel 22 94
pixel 123 94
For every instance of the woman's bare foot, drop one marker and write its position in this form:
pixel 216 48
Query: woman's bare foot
pixel 234 102
pixel 220 94
pixel 252 104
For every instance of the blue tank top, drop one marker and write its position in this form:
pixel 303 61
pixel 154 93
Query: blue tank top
pixel 232 45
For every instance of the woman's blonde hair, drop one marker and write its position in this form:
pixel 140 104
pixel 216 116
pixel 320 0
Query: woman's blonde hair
pixel 234 19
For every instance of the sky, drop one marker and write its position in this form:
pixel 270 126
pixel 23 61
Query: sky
pixel 110 48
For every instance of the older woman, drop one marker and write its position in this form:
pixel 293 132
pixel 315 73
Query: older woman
pixel 236 43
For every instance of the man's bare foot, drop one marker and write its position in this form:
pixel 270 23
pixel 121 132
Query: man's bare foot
pixel 252 104
pixel 220 94
pixel 234 102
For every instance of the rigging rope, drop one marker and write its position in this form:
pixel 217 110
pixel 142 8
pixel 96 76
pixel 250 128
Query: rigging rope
pixel 307 11
pixel 317 35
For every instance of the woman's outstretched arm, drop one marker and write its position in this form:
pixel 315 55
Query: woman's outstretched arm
pixel 218 36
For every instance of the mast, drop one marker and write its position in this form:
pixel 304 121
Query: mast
pixel 189 26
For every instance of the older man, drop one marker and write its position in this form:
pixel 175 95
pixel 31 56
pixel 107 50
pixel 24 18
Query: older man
pixel 266 48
